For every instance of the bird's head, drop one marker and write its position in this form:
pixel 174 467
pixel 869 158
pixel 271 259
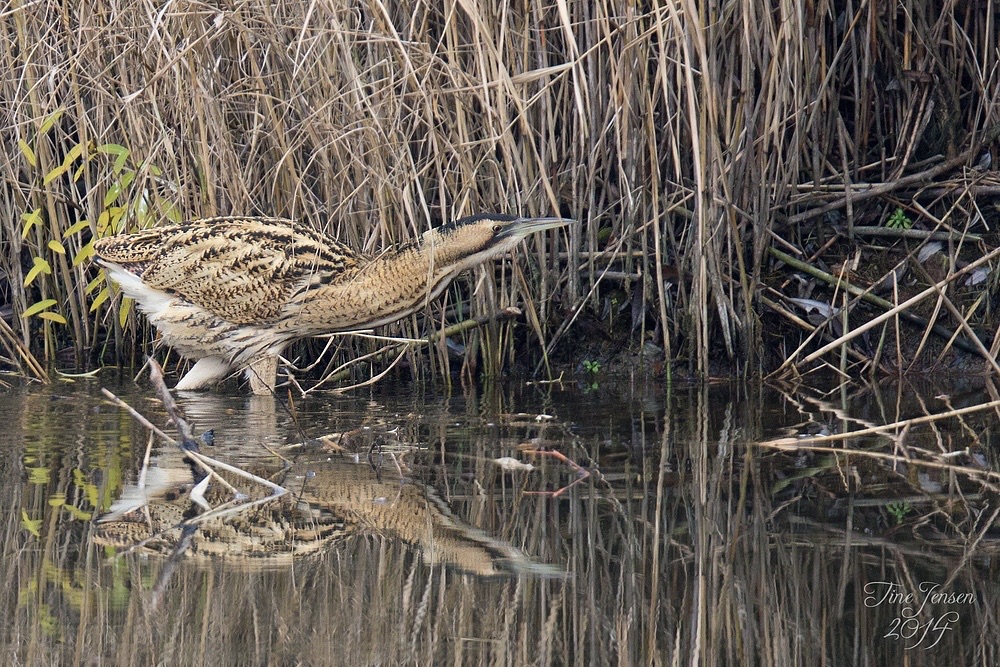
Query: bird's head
pixel 470 241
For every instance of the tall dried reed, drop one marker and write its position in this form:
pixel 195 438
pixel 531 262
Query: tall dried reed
pixel 679 133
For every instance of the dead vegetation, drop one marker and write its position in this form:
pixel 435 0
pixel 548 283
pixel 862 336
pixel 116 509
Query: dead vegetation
pixel 691 141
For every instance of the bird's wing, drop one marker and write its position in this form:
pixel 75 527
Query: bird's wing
pixel 242 269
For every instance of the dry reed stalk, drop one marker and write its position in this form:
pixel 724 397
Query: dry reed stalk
pixel 934 289
pixel 811 441
pixel 677 135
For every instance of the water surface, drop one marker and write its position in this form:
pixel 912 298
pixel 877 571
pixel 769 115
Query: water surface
pixel 689 539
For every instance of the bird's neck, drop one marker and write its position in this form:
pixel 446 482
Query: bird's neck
pixel 391 285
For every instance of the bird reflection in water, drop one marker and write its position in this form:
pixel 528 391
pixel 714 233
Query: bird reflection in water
pixel 332 497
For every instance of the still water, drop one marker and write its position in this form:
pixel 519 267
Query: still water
pixel 709 524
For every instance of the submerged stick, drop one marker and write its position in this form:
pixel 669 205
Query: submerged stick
pixel 180 422
pixel 206 463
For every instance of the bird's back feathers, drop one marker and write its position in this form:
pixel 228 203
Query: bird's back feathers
pixel 242 269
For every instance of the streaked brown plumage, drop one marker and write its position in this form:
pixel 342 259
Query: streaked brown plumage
pixel 233 292
pixel 332 500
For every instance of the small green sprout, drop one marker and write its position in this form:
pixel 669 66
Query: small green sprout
pixel 592 367
pixel 899 220
pixel 898 510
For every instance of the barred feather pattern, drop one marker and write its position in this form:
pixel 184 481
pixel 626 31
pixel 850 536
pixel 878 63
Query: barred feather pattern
pixel 232 290
pixel 241 269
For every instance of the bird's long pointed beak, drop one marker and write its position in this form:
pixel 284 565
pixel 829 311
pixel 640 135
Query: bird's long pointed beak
pixel 525 226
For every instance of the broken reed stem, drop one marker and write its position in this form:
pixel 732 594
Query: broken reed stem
pixel 808 327
pixel 867 296
pixel 793 443
pixel 858 193
pixel 897 310
pixel 963 325
pixel 13 343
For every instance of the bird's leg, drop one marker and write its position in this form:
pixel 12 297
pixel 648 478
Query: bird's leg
pixel 206 371
pixel 262 373
pixel 377 467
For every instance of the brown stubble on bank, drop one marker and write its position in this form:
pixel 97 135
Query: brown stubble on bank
pixel 687 140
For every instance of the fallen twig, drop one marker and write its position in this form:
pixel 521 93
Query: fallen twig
pixel 860 192
pixel 884 304
pixel 897 310
pixel 581 472
pixel 921 234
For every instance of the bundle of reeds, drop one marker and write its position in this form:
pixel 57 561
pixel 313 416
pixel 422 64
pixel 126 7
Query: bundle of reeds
pixel 687 138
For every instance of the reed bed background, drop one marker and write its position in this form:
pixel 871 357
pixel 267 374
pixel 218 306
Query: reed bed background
pixel 688 139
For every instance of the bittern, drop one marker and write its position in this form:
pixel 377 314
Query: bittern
pixel 340 500
pixel 232 292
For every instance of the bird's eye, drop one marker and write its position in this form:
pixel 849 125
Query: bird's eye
pixel 497 229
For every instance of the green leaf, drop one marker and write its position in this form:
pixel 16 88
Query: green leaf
pixel 125 309
pixel 121 155
pixel 49 122
pixel 78 513
pixel 76 228
pixel 101 297
pixel 73 155
pixel 55 173
pixel 93 284
pixel 41 266
pixel 112 194
pixel 169 211
pixel 32 526
pixel 56 247
pixel 53 317
pixel 119 163
pixel 38 307
pixel 29 154
pixel 117 214
pixel 30 220
pixel 108 222
pixel 86 252
pixel 112 149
